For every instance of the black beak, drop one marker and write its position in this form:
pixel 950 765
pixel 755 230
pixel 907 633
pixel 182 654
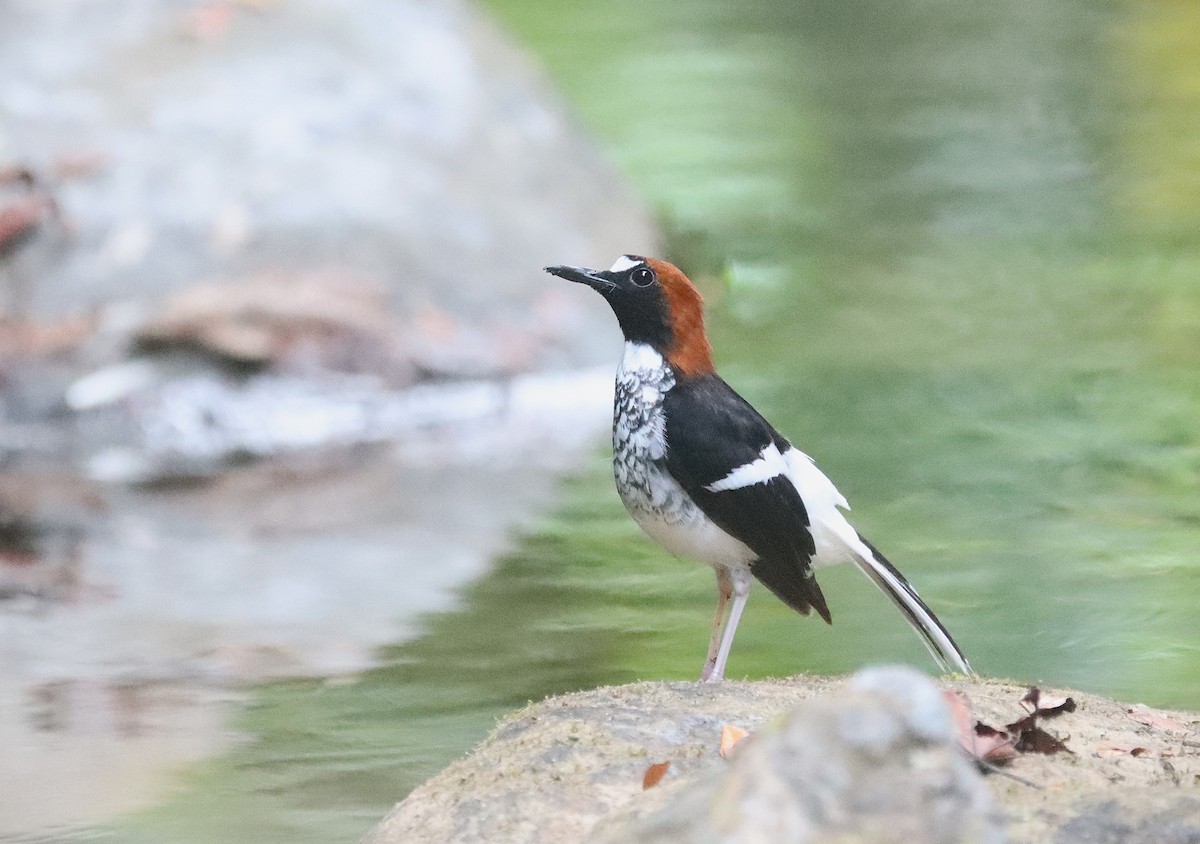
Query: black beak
pixel 582 275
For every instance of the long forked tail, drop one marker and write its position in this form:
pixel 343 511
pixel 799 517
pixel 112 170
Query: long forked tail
pixel 892 583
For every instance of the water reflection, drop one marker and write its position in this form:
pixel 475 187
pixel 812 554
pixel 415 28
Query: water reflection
pixel 1159 137
pixel 965 281
pixel 130 615
pixel 98 747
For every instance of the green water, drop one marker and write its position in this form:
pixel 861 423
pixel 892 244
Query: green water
pixel 952 250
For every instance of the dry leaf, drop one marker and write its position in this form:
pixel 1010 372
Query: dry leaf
pixel 654 774
pixel 1029 722
pixel 980 742
pixel 985 743
pixel 1038 703
pixel 1037 740
pixel 1109 749
pixel 992 745
pixel 1049 707
pixel 730 736
pixel 1153 718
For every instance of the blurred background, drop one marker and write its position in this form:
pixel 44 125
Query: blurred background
pixel 305 468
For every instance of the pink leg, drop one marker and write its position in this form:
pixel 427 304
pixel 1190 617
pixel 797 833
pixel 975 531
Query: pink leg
pixel 724 592
pixel 741 591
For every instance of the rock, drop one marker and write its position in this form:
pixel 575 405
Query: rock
pixel 307 323
pixel 1139 814
pixel 297 190
pixel 843 765
pixel 364 187
pixel 877 761
pixel 313 324
pixel 406 141
pixel 551 771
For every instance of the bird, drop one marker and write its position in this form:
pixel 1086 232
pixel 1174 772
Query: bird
pixel 707 476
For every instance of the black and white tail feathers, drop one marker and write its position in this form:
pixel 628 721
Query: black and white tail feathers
pixel 892 583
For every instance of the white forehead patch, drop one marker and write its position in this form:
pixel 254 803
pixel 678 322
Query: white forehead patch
pixel 623 263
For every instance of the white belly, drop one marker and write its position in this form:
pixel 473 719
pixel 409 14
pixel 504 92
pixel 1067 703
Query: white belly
pixel 692 534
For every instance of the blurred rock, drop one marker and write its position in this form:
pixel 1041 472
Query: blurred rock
pixel 306 323
pixel 24 207
pixel 407 142
pixel 298 190
pixel 149 424
pixel 24 341
pixel 329 220
pixel 314 324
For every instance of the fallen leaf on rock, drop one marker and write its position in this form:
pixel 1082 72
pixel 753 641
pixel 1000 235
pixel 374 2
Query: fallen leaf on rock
pixel 991 745
pixel 1028 736
pixel 1108 749
pixel 987 745
pixel 983 744
pixel 1037 740
pixel 1027 723
pixel 730 736
pixel 1153 718
pixel 1046 706
pixel 654 774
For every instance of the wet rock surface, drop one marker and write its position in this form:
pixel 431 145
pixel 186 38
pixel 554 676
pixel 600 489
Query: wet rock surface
pixel 874 758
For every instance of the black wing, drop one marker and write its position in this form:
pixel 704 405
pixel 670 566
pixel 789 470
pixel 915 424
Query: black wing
pixel 711 431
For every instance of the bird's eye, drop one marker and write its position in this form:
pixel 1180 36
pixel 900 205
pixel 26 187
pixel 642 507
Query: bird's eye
pixel 642 276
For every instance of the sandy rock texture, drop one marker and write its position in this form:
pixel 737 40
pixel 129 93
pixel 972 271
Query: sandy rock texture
pixel 872 758
pixel 877 761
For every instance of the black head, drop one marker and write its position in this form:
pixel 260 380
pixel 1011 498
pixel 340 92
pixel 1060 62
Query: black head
pixel 655 303
pixel 632 289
